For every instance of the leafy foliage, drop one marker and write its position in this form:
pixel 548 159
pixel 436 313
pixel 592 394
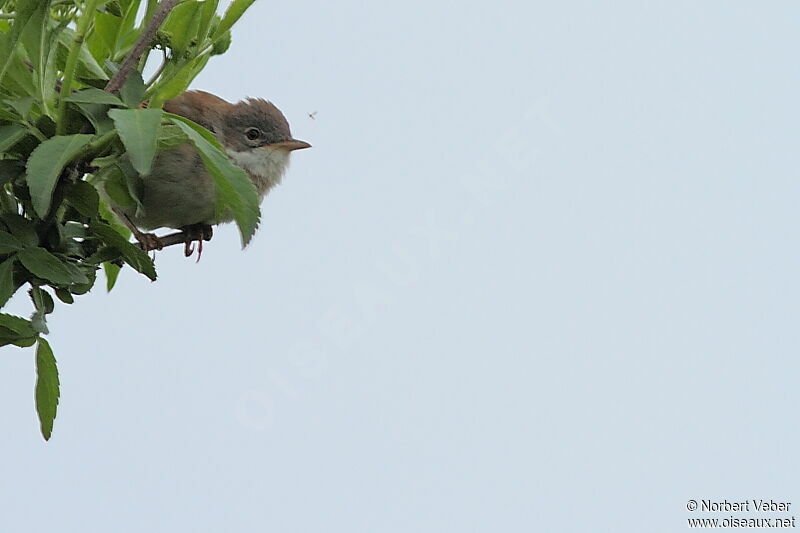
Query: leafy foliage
pixel 65 130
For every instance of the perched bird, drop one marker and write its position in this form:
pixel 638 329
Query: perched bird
pixel 179 192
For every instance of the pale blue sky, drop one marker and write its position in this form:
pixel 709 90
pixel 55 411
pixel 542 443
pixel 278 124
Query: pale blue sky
pixel 538 273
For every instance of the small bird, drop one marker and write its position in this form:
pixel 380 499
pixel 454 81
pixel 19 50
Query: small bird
pixel 179 192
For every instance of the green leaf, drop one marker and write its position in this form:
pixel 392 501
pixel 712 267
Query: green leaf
pixel 233 186
pixel 132 254
pixel 209 14
pixel 103 36
pixel 38 38
pixel 93 95
pixel 22 106
pixel 125 28
pixel 138 129
pixel 22 342
pixel 84 198
pixel 83 288
pixel 45 265
pixel 47 387
pixel 43 303
pixel 21 228
pixel 7 286
pixel 10 170
pixel 112 273
pixel 170 136
pixel 132 91
pixel 115 184
pixel 8 201
pixel 103 255
pixel 179 82
pixel 183 25
pixel 234 12
pixel 221 44
pixel 97 115
pixel 8 41
pixel 16 330
pixel 11 135
pixel 9 243
pixel 16 326
pixel 88 68
pixel 65 296
pixel 46 163
pixel 19 80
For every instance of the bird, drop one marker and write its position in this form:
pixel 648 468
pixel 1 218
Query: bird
pixel 180 193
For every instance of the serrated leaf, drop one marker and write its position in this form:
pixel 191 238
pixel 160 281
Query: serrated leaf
pixel 104 254
pixel 45 165
pixel 45 265
pixel 16 325
pixel 11 135
pixel 132 254
pixel 9 243
pixel 84 198
pixel 233 186
pixel 138 129
pixel 7 286
pixel 93 95
pixel 47 387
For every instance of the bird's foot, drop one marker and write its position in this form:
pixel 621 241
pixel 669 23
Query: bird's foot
pixel 149 241
pixel 199 233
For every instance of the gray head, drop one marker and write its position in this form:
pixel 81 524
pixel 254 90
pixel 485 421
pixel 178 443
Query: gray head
pixel 255 123
pixel 253 132
pixel 251 123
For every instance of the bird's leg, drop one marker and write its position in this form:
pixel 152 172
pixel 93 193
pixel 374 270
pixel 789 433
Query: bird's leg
pixel 147 241
pixel 199 233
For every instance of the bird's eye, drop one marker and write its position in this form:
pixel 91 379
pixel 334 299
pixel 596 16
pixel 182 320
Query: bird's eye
pixel 252 133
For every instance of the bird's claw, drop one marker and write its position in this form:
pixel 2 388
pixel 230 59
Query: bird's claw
pixel 199 233
pixel 149 241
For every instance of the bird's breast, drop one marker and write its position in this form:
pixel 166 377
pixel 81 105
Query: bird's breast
pixel 266 166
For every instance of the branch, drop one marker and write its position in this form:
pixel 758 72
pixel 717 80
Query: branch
pixel 145 39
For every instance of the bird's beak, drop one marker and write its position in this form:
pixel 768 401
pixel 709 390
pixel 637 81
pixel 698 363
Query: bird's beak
pixel 291 144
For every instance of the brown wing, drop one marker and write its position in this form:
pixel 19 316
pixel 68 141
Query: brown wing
pixel 199 106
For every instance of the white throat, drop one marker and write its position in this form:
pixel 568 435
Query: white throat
pixel 265 165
